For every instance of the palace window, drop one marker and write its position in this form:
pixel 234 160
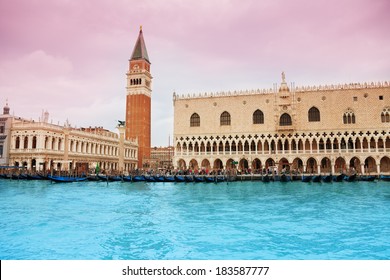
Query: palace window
pixel 385 115
pixel 285 119
pixel 25 143
pixel 17 143
pixel 349 117
pixel 258 117
pixel 225 118
pixel 314 114
pixel 1 151
pixel 195 120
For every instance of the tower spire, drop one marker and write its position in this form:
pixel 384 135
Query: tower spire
pixel 139 51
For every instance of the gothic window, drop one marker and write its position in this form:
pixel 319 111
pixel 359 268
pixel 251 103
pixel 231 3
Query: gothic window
pixel 285 119
pixel 17 143
pixel 385 115
pixel 314 114
pixel 225 118
pixel 258 117
pixel 349 117
pixel 194 120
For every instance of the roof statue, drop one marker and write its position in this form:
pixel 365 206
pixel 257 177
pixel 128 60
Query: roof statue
pixel 283 77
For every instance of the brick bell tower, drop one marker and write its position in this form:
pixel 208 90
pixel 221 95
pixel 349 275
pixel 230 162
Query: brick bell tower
pixel 138 101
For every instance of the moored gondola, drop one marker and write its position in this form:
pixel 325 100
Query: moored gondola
pixel 63 179
pixel 306 178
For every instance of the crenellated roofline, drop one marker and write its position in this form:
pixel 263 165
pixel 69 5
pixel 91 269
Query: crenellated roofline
pixel 275 90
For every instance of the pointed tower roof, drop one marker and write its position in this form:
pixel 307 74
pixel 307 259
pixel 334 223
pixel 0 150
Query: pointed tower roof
pixel 140 51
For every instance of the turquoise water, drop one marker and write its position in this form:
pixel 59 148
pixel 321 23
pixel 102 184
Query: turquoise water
pixel 242 220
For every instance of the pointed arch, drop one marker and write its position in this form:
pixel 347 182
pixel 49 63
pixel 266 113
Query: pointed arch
pixel 194 120
pixel 314 114
pixel 258 117
pixel 285 119
pixel 225 118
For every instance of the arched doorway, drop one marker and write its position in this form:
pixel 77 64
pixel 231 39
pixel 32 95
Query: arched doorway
pixel 218 164
pixel 256 164
pixel 370 165
pixel 206 164
pixel 311 166
pixel 297 165
pixel 181 164
pixel 326 166
pixel 284 165
pixel 243 165
pixel 385 164
pixel 354 165
pixel 193 164
pixel 230 164
pixel 339 166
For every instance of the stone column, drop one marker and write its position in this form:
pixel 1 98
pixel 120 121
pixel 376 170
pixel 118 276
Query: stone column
pixel 121 147
pixel 378 168
pixel 362 168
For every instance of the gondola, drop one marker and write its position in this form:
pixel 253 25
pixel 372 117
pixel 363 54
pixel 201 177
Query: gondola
pixel 284 178
pixel 384 178
pixel 61 179
pixel 265 178
pixel 179 178
pixel 327 178
pixel 316 178
pixel 367 178
pixel 350 178
pixel 199 178
pixel 189 178
pixel 159 178
pixel 338 178
pixel 169 178
pixel 306 179
pixel 138 178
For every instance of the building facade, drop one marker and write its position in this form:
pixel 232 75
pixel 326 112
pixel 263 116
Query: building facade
pixel 162 157
pixel 42 146
pixel 320 129
pixel 138 100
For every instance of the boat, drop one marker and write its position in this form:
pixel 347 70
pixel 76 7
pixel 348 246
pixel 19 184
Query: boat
pixel 62 179
pixel 316 178
pixel 384 178
pixel 350 178
pixel 110 178
pixel 179 178
pixel 327 178
pixel 93 178
pixel 265 178
pixel 169 178
pixel 367 178
pixel 127 178
pixel 34 177
pixel 209 179
pixel 138 178
pixel 338 178
pixel 198 178
pixel 189 178
pixel 159 178
pixel 306 179
pixel 284 178
pixel 150 179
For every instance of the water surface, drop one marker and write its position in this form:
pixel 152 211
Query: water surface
pixel 241 220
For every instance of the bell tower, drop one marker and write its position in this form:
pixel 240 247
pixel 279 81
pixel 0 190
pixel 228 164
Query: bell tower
pixel 138 100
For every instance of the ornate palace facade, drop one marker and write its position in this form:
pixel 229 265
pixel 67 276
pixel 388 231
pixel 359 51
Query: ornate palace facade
pixel 43 146
pixel 324 129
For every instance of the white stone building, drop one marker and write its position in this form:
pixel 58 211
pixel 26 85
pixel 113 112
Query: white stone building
pixel 44 146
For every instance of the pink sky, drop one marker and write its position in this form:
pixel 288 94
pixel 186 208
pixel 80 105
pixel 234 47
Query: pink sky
pixel 70 57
